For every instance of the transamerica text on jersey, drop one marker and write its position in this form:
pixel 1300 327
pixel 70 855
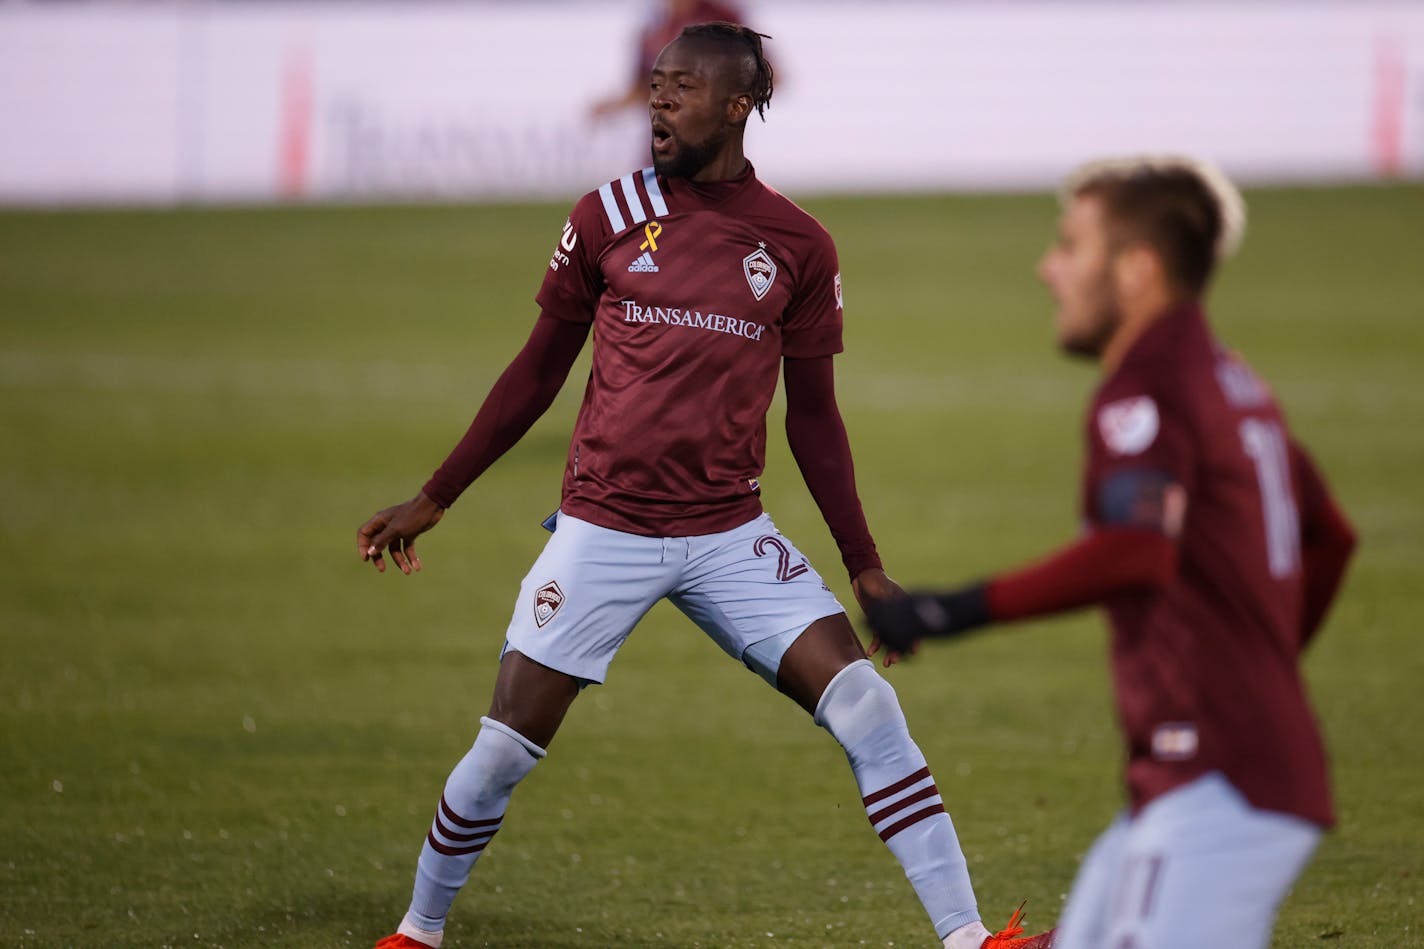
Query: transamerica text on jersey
pixel 634 312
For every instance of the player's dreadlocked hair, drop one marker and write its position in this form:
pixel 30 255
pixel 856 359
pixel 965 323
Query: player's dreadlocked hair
pixel 1184 208
pixel 756 68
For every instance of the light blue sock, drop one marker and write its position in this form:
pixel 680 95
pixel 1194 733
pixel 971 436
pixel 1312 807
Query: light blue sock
pixel 860 709
pixel 471 811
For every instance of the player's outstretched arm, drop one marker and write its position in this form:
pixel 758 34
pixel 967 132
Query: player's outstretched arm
pixel 1103 562
pixel 519 397
pixel 817 437
pixel 523 392
pixel 816 434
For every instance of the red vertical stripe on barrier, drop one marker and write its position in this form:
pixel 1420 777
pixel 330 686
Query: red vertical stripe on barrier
pixel 294 143
pixel 1389 107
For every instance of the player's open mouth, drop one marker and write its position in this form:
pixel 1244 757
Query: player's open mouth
pixel 662 139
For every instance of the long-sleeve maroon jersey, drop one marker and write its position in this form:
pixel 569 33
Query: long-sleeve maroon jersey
pixel 1205 665
pixel 696 293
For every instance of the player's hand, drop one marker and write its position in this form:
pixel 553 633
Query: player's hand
pixel 900 623
pixel 395 529
pixel 870 586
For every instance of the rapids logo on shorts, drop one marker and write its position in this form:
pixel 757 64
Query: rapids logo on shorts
pixel 760 270
pixel 547 600
pixel 784 569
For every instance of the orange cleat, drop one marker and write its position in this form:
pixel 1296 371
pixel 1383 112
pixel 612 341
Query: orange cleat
pixel 399 941
pixel 1011 936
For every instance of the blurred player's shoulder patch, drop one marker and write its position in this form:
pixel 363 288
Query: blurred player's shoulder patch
pixel 1241 386
pixel 1129 426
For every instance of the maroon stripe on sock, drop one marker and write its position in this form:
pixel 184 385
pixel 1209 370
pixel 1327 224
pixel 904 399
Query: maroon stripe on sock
pixel 903 803
pixel 453 851
pixel 910 821
pixel 897 787
pixel 447 833
pixel 459 821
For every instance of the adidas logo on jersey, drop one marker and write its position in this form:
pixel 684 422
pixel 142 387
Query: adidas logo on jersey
pixel 644 264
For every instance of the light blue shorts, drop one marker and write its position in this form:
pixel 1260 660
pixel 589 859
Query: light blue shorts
pixel 748 588
pixel 1197 867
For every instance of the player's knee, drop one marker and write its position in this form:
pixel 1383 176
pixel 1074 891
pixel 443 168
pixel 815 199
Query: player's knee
pixel 499 759
pixel 857 703
pixel 499 728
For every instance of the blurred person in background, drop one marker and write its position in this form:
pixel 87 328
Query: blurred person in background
pixel 1215 546
pixel 700 285
pixel 663 22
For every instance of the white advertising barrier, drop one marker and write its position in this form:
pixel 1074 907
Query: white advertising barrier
pixel 1014 94
pixel 356 101
pixel 319 100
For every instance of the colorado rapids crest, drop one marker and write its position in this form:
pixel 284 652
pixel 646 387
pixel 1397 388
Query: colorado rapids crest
pixel 760 270
pixel 547 600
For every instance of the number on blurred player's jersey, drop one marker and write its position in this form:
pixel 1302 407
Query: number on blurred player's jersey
pixel 1265 445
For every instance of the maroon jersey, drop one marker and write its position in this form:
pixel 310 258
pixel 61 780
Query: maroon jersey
pixel 1206 668
pixel 695 292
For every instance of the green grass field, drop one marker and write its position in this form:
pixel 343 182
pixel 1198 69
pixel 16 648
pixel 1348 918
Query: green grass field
pixel 220 729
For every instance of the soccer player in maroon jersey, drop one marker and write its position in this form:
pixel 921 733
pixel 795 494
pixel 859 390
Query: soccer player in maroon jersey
pixel 700 286
pixel 1215 546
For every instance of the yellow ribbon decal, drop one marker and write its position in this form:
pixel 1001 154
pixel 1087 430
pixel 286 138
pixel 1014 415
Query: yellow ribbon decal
pixel 652 229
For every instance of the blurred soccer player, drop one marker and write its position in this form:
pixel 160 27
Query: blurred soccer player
pixel 665 19
pixel 700 284
pixel 1216 547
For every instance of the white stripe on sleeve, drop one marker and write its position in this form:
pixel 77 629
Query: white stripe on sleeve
pixel 630 194
pixel 655 195
pixel 610 207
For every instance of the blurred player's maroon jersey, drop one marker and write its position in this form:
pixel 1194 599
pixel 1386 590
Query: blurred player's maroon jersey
pixel 696 292
pixel 1206 669
pixel 664 28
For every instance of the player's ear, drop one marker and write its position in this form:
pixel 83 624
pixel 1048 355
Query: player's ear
pixel 1136 268
pixel 739 106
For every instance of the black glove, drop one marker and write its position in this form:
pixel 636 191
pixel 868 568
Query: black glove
pixel 902 621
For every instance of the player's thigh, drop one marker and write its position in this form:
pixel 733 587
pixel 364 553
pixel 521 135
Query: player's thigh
pixel 1084 921
pixel 531 698
pixel 1201 867
pixel 808 666
pixel 751 585
pixel 583 596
